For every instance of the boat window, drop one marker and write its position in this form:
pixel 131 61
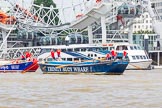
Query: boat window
pixel 127 58
pixel 144 57
pixel 76 49
pixel 63 59
pixel 111 48
pixel 134 58
pixel 103 57
pixel 90 49
pixel 141 57
pixel 69 49
pixel 105 49
pixel 94 49
pixel 69 59
pixel 83 49
pixel 135 47
pixel 88 55
pixel 139 48
pixel 118 47
pixel 131 47
pixel 98 49
pixel 125 47
pixel 122 47
pixel 137 57
pixel 76 59
pixel 63 50
pixel 49 59
pixel 82 59
pixel 91 55
pixel 95 55
pixel 40 59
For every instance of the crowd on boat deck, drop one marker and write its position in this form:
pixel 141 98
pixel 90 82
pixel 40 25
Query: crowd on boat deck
pixel 53 54
pixel 113 55
pixel 28 57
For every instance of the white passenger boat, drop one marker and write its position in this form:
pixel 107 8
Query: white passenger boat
pixel 138 58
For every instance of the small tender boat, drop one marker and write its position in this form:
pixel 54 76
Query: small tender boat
pixel 68 64
pixel 20 66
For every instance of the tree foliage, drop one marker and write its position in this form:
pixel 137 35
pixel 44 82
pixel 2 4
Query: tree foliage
pixel 46 3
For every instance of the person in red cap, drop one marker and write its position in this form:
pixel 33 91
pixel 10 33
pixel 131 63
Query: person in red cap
pixel 53 54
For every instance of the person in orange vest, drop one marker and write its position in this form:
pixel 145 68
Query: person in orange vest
pixel 53 54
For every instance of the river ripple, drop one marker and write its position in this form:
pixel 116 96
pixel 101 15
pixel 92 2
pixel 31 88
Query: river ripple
pixel 133 89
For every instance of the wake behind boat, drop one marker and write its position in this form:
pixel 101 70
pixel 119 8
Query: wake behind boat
pixel 83 64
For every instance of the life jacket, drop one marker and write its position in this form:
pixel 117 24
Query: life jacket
pixel 124 53
pixel 113 53
pixel 58 53
pixel 52 54
pixel 28 54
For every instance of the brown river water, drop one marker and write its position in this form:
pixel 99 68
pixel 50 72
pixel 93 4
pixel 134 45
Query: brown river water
pixel 133 89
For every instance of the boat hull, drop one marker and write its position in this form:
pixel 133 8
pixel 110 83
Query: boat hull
pixel 18 67
pixel 113 68
pixel 32 68
pixel 140 65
